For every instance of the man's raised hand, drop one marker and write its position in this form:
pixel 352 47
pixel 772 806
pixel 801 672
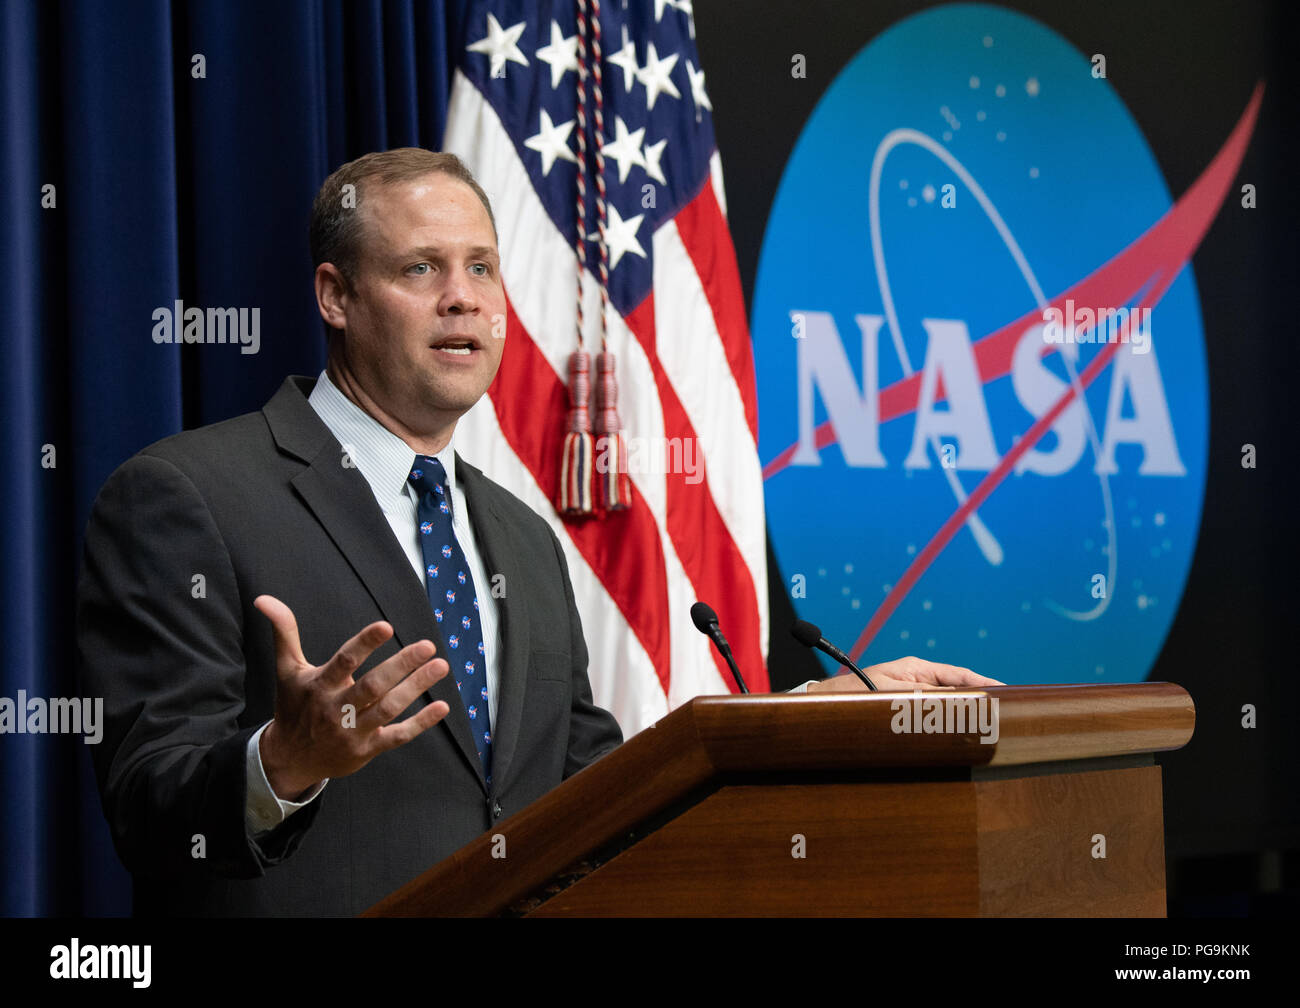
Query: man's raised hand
pixel 312 736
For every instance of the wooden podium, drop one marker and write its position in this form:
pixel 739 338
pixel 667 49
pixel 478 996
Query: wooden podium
pixel 845 804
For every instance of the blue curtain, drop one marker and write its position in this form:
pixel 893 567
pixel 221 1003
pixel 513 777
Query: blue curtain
pixel 166 186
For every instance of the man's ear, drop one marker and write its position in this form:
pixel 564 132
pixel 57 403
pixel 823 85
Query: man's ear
pixel 332 296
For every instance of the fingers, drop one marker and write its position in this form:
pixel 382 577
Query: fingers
pixel 347 659
pixel 288 645
pixel 288 648
pixel 921 672
pixel 402 695
pixel 975 679
pixel 956 675
pixel 885 684
pixel 903 676
pixel 392 670
pixel 393 735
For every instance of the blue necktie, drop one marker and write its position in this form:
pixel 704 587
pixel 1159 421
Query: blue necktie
pixel 455 602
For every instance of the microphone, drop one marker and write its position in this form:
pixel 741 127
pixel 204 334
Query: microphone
pixel 811 636
pixel 706 622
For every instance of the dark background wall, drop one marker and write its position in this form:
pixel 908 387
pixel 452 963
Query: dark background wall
pixel 1185 70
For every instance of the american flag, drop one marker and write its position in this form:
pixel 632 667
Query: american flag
pixel 675 321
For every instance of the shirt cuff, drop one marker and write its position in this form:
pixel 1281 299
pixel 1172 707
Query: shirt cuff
pixel 802 688
pixel 264 810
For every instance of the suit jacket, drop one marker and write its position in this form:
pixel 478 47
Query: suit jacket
pixel 182 538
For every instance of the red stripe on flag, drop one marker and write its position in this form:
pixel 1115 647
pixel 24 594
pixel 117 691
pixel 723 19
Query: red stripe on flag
pixel 708 243
pixel 703 542
pixel 624 549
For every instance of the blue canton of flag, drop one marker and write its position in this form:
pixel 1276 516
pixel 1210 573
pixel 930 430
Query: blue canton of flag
pixel 658 131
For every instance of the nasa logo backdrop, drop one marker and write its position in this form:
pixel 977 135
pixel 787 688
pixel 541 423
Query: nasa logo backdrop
pixel 968 165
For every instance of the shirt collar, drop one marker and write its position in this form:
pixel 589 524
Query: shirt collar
pixel 383 458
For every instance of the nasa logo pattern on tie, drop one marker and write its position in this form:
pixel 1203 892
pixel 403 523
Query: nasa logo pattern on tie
pixel 446 565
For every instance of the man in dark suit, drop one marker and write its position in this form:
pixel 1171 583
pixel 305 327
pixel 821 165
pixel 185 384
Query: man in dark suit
pixel 238 776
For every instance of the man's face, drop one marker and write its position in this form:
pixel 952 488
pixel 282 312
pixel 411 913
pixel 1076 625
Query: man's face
pixel 420 321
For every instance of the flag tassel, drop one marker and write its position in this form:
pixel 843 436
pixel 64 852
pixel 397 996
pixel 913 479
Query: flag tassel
pixel 611 463
pixel 576 474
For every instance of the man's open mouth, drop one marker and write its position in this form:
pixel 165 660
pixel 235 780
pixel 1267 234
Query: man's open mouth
pixel 461 346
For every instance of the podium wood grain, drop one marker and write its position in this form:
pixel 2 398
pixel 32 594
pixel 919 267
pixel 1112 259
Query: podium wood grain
pixel 702 814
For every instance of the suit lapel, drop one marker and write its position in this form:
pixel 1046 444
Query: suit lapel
pixel 341 500
pixel 500 552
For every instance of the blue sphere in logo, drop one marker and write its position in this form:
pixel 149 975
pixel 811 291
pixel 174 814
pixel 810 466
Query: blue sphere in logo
pixel 963 171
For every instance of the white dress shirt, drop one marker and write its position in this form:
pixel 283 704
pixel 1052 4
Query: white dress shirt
pixel 385 461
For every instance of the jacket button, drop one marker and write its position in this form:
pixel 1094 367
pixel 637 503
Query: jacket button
pixel 496 809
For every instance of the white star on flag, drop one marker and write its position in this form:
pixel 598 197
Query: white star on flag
pixel 688 9
pixel 500 45
pixel 659 8
pixel 652 154
pixel 626 148
pixel 561 54
pixel 625 60
pixel 620 236
pixel 697 89
pixel 654 75
pixel 551 142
